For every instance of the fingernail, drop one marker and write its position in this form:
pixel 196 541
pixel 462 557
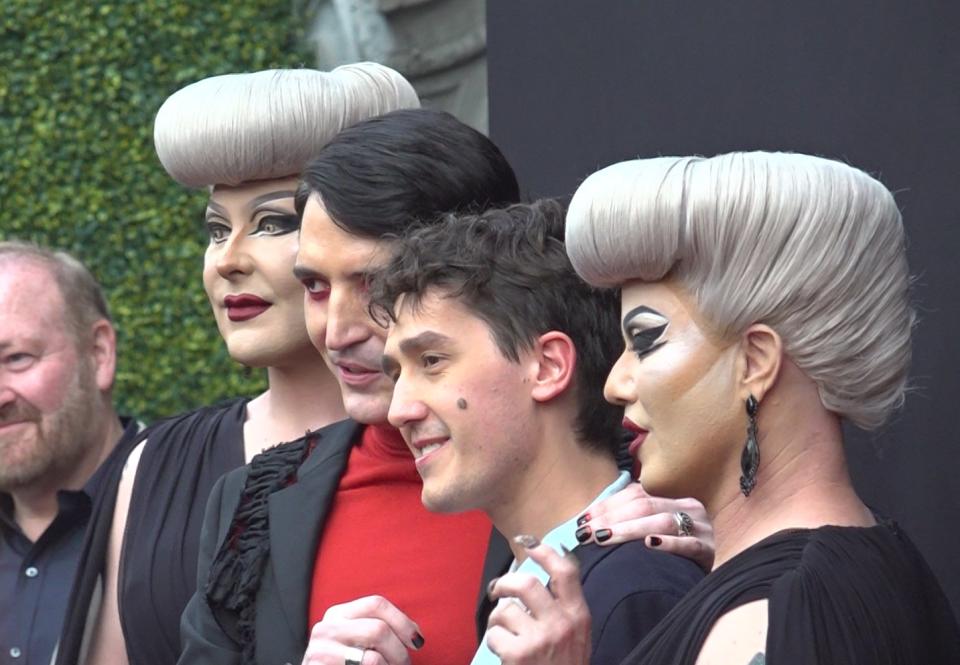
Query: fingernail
pixel 655 541
pixel 583 519
pixel 583 534
pixel 603 535
pixel 564 550
pixel 492 583
pixel 524 540
pixel 417 641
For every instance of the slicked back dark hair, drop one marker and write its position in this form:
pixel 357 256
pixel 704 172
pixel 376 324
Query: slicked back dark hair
pixel 510 268
pixel 382 175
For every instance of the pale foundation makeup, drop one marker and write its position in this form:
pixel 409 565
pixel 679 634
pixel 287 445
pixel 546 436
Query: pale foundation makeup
pixel 248 272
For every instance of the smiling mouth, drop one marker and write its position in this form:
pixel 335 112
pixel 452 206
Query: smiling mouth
pixel 422 453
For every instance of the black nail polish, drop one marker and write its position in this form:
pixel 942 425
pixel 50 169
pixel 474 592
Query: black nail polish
pixel 655 541
pixel 603 535
pixel 492 583
pixel 583 534
pixel 583 519
pixel 417 641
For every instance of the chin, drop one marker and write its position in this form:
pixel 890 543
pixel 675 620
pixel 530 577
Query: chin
pixel 439 502
pixel 365 409
pixel 250 351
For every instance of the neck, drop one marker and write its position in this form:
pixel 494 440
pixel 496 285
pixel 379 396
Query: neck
pixel 302 396
pixel 558 485
pixel 802 483
pixel 36 506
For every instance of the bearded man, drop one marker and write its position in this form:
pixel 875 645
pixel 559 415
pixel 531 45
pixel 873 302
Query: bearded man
pixel 59 434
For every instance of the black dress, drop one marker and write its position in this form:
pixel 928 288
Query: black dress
pixel 836 595
pixel 183 458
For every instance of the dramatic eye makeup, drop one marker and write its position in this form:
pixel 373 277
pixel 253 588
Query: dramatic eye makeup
pixel 644 328
pixel 275 224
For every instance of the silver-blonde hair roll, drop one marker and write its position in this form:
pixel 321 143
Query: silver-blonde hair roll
pixel 809 246
pixel 234 128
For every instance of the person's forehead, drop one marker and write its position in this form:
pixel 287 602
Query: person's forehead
pixel 30 299
pixel 434 311
pixel 324 246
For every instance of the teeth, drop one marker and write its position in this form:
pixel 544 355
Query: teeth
pixel 426 450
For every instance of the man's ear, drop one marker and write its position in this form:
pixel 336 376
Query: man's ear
pixel 103 353
pixel 761 350
pixel 556 359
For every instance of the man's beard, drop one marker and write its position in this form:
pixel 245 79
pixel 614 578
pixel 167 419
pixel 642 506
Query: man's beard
pixel 54 446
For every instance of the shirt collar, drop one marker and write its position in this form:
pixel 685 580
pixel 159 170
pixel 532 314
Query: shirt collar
pixel 565 535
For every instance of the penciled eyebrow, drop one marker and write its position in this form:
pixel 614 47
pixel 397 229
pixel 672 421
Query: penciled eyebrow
pixel 271 196
pixel 254 202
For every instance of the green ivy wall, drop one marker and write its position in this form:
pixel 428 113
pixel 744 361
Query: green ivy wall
pixel 80 83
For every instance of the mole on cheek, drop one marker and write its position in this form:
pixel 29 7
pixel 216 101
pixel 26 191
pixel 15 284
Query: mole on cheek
pixel 462 403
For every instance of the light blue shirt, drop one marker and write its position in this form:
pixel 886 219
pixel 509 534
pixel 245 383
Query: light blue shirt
pixel 564 535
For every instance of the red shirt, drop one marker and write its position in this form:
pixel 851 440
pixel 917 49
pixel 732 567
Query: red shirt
pixel 379 539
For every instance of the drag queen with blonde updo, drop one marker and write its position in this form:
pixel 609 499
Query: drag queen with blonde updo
pixel 245 137
pixel 765 301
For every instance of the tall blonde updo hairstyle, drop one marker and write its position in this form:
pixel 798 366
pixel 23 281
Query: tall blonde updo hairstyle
pixel 809 246
pixel 234 128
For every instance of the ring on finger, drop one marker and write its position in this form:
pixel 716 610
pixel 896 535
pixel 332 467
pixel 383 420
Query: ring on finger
pixel 684 523
pixel 354 656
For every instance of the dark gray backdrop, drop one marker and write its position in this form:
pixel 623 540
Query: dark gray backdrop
pixel 578 85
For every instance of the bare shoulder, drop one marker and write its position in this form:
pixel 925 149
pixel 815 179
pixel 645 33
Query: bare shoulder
pixel 739 637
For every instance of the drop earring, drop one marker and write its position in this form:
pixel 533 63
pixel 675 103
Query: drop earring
pixel 750 458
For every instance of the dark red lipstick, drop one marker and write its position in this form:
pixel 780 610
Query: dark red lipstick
pixel 641 434
pixel 245 306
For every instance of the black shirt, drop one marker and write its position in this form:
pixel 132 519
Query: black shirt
pixel 35 577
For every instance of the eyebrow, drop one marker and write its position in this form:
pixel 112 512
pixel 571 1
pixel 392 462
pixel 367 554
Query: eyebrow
pixel 271 196
pixel 303 272
pixel 254 202
pixel 422 341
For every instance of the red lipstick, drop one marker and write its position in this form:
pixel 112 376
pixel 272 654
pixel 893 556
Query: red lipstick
pixel 641 434
pixel 245 306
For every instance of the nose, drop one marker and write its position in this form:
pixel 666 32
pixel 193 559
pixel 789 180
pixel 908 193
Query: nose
pixel 348 322
pixel 405 408
pixel 619 386
pixel 7 394
pixel 233 258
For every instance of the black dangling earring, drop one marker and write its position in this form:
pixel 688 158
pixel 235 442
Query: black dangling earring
pixel 750 458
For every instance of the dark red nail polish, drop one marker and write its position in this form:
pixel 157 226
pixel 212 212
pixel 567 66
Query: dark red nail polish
pixel 417 641
pixel 655 541
pixel 583 534
pixel 603 535
pixel 583 519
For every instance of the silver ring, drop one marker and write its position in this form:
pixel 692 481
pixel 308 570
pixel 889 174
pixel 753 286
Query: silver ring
pixel 684 523
pixel 355 656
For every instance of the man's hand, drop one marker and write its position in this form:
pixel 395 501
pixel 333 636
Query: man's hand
pixel 552 626
pixel 371 626
pixel 632 514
